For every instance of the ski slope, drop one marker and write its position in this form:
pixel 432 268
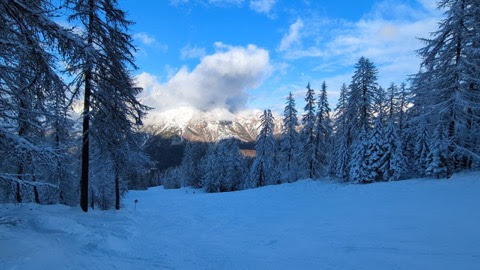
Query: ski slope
pixel 413 224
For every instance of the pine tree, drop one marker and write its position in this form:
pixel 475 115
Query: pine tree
pixel 308 134
pixel 191 164
pixel 211 179
pixel 235 170
pixel 31 43
pixel 359 169
pixel 447 87
pixel 421 150
pixel 110 103
pixel 437 157
pixel 393 161
pixel 361 97
pixel 289 148
pixel 323 134
pixel 393 165
pixel 375 152
pixel 341 156
pixel 263 165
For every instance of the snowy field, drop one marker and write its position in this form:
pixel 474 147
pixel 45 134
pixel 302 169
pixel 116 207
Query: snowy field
pixel 414 224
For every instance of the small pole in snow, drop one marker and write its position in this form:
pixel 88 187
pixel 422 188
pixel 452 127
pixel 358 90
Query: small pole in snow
pixel 136 201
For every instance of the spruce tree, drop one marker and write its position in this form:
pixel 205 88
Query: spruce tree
pixel 393 162
pixel 308 134
pixel 437 162
pixel 361 97
pixel 375 152
pixel 263 165
pixel 110 103
pixel 323 134
pixel 359 167
pixel 289 148
pixel 30 81
pixel 447 87
pixel 341 153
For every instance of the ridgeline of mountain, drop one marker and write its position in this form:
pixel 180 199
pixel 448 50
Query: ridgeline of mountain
pixel 168 132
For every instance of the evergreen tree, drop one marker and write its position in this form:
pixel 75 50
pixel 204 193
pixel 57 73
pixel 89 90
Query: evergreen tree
pixel 289 142
pixel 191 164
pixel 375 152
pixel 403 105
pixel 110 103
pixel 361 97
pixel 31 43
pixel 211 179
pixel 447 88
pixel 323 136
pixel 393 164
pixel 359 169
pixel 421 150
pixel 437 157
pixel 393 161
pixel 263 165
pixel 235 170
pixel 341 157
pixel 308 134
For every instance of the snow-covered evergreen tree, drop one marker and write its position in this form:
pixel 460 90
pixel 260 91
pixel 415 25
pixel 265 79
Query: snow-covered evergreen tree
pixel 359 169
pixel 110 103
pixel 211 177
pixel 323 135
pixel 289 145
pixel 393 165
pixel 421 150
pixel 236 171
pixel 339 168
pixel 361 97
pixel 308 134
pixel 263 165
pixel 393 162
pixel 403 105
pixel 375 152
pixel 437 162
pixel 32 42
pixel 191 167
pixel 447 87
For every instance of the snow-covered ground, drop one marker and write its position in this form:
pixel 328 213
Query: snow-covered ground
pixel 414 224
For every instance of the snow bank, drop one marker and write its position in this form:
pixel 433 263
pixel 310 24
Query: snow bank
pixel 414 224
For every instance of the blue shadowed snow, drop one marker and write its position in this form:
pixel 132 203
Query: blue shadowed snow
pixel 414 224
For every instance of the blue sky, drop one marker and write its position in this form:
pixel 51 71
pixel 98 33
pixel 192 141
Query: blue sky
pixel 244 54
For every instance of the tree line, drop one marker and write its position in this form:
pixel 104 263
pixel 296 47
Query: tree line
pixel 429 129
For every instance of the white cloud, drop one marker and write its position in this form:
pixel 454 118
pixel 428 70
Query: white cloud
pixel 149 41
pixel 219 81
pixel 262 6
pixel 192 52
pixel 388 36
pixel 292 37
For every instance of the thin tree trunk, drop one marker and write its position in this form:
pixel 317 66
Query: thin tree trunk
pixel 35 190
pixel 117 189
pixel 86 120
pixel 92 205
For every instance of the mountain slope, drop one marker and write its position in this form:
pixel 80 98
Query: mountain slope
pixel 413 224
pixel 195 125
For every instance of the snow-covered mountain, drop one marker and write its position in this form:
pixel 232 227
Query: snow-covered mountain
pixel 195 125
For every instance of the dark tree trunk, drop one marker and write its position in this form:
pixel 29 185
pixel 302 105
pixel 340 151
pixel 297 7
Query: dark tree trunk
pixel 86 120
pixel 19 193
pixel 117 190
pixel 92 204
